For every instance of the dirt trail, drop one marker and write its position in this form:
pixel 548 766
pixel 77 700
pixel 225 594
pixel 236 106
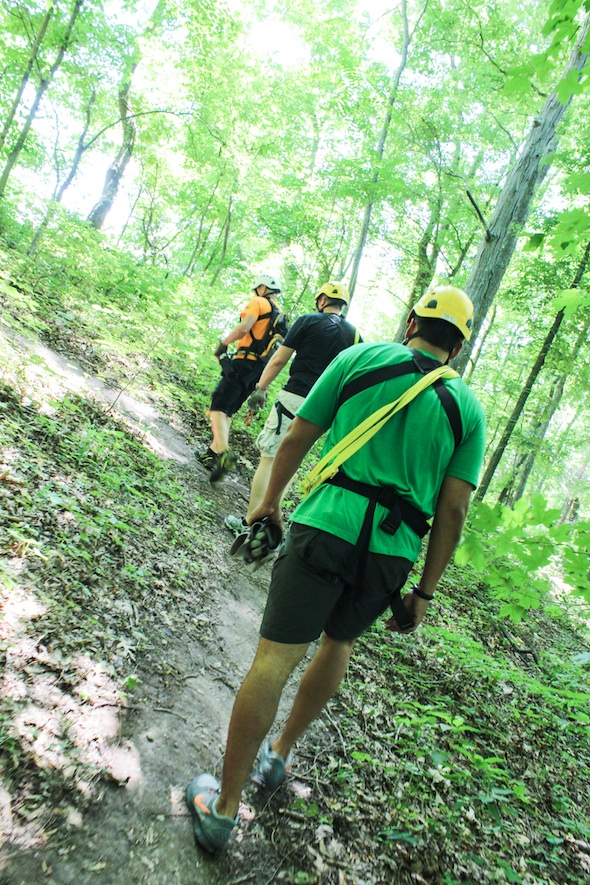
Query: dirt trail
pixel 139 830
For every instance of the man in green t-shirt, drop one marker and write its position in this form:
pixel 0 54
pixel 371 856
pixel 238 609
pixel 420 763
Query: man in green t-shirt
pixel 354 539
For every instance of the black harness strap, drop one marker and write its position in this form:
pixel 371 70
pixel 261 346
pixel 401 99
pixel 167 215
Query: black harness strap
pixel 281 410
pixel 339 322
pixel 400 510
pixel 418 363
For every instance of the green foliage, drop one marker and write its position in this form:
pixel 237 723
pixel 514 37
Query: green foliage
pixel 452 743
pixel 510 549
pixel 87 512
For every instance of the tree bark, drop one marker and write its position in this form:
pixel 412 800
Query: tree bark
pixel 45 82
pixel 25 77
pixel 512 209
pixel 60 189
pixel 379 150
pixel 116 170
pixel 523 472
pixel 225 242
pixel 528 386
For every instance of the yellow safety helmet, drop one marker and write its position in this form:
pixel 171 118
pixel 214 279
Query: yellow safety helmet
pixel 450 304
pixel 338 291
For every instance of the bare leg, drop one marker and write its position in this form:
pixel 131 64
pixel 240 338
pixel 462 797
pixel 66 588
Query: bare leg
pixel 260 483
pixel 220 424
pixel 253 714
pixel 323 675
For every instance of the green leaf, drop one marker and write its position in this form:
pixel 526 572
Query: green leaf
pixel 571 300
pixel 510 874
pixel 554 840
pixel 534 242
pixel 568 86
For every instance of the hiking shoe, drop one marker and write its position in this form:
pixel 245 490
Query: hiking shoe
pixel 225 462
pixel 207 459
pixel 270 769
pixel 236 524
pixel 211 830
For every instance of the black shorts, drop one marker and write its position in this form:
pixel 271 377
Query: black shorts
pixel 231 393
pixel 314 589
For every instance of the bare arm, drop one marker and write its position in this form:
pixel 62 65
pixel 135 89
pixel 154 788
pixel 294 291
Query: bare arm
pixel 298 440
pixel 449 518
pixel 240 330
pixel 280 359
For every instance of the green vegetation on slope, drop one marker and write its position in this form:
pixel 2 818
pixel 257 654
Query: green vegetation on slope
pixel 456 755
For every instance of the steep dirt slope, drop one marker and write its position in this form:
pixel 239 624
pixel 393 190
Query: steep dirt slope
pixel 136 829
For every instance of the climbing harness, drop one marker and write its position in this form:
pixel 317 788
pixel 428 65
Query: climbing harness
pixel 329 465
pixel 399 510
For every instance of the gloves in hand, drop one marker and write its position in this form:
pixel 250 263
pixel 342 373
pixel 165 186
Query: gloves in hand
pixel 257 400
pixel 220 349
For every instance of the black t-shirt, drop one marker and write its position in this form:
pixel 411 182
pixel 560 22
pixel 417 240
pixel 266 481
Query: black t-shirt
pixel 317 338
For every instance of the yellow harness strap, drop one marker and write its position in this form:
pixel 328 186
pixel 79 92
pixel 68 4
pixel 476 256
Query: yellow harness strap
pixel 358 436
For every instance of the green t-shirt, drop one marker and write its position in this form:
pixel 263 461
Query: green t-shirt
pixel 413 452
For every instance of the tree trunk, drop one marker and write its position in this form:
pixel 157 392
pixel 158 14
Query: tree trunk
pixel 199 241
pixel 45 82
pixel 25 77
pixel 512 208
pixel 525 468
pixel 60 190
pixel 379 150
pixel 528 386
pixel 225 242
pixel 116 170
pixel 433 237
pixel 476 352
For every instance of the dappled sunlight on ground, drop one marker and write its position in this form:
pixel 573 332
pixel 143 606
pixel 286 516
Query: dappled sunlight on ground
pixel 65 720
pixel 49 376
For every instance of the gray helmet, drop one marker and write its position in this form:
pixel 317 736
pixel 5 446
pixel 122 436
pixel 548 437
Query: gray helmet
pixel 265 279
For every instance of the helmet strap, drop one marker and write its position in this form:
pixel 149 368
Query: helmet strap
pixel 409 338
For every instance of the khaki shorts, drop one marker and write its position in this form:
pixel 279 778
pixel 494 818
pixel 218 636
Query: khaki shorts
pixel 274 430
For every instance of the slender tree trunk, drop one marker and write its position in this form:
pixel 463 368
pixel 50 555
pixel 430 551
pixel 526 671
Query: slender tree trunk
pixel 528 386
pixel 572 505
pixel 563 438
pixel 512 208
pixel 116 170
pixel 25 77
pixel 540 431
pixel 379 151
pixel 199 244
pixel 476 352
pixel 433 237
pixel 45 82
pixel 225 242
pixel 59 190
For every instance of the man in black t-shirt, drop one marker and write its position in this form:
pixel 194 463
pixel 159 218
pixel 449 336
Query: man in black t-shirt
pixel 315 338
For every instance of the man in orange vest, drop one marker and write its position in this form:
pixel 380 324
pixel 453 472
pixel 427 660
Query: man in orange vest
pixel 239 374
